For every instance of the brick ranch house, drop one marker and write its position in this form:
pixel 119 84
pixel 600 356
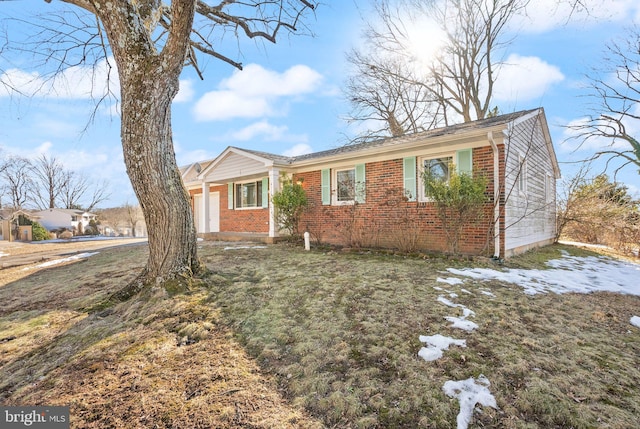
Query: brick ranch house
pixel 371 194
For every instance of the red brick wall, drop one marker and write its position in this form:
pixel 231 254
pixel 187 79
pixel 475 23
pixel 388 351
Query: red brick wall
pixel 386 219
pixel 244 220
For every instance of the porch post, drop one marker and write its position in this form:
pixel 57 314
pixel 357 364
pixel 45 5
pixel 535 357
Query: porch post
pixel 204 213
pixel 274 186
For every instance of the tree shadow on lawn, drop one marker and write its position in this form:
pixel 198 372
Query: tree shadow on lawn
pixel 150 362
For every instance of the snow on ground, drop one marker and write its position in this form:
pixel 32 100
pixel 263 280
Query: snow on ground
pixel 567 274
pixel 469 392
pixel 459 322
pixel 450 280
pixel 60 261
pixel 436 344
pixel 635 321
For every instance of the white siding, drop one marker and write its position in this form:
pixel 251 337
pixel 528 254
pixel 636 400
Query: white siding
pixel 235 166
pixel 530 215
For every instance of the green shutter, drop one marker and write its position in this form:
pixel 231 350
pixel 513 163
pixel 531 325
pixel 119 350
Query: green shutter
pixel 464 161
pixel 325 186
pixel 230 196
pixel 361 190
pixel 265 193
pixel 409 175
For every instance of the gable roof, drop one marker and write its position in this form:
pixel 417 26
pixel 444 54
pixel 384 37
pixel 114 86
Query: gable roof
pixel 481 126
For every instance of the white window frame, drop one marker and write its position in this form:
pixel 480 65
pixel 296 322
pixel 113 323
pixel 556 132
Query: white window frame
pixel 522 175
pixel 549 188
pixel 334 179
pixel 422 197
pixel 236 199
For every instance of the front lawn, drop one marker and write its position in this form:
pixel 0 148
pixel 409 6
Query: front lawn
pixel 277 337
pixel 340 331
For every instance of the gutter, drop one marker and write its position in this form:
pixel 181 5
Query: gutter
pixel 496 195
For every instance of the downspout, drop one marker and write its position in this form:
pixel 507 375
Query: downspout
pixel 496 195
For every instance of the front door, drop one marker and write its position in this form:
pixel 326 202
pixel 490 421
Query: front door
pixel 214 212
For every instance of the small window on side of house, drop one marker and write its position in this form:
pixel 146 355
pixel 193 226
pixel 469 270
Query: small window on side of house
pixel 522 174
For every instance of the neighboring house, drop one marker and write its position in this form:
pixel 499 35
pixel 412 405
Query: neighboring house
pixel 372 194
pixel 9 228
pixel 73 220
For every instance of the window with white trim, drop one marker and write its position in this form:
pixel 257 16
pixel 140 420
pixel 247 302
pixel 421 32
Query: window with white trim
pixel 438 168
pixel 248 195
pixel 549 188
pixel 345 181
pixel 522 174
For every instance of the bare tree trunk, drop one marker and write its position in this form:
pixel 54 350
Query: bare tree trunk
pixel 149 81
pixel 156 179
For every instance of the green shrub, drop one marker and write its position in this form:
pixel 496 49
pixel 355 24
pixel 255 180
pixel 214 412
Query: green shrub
pixel 289 204
pixel 38 232
pixel 459 201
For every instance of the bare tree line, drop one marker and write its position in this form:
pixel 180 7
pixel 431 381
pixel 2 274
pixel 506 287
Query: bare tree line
pixel 46 183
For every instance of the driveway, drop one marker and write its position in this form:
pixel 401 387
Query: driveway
pixel 17 253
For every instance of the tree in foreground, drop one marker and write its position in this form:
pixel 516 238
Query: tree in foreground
pixel 151 42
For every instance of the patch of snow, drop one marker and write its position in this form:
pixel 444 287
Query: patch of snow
pixel 635 321
pixel 62 260
pixel 244 247
pixel 437 288
pixel 450 280
pixel 488 293
pixel 466 291
pixel 567 274
pixel 436 344
pixel 461 323
pixel 448 303
pixel 469 392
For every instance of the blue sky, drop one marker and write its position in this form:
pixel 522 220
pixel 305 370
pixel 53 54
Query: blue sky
pixel 289 100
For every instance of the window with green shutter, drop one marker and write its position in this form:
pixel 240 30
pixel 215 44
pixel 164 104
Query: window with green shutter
pixel 360 184
pixel 409 177
pixel 325 186
pixel 464 161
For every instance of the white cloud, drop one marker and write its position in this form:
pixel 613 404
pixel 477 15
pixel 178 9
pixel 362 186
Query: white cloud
pixel 255 92
pixel 525 78
pixel 224 105
pixel 573 141
pixel 78 82
pixel 546 15
pixel 297 150
pixel 260 129
pixel 186 91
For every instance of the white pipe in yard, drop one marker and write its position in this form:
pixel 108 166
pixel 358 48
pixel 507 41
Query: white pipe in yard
pixel 496 194
pixel 307 241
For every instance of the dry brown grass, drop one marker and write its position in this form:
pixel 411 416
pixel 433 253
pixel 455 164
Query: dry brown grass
pixel 152 362
pixel 334 334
